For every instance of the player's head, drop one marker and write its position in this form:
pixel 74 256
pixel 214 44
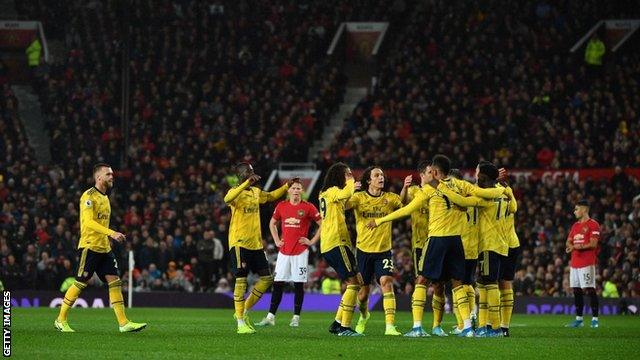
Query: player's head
pixel 440 166
pixel 295 191
pixel 372 178
pixel 336 176
pixel 244 170
pixel 486 173
pixel 456 173
pixel 581 210
pixel 424 170
pixel 103 175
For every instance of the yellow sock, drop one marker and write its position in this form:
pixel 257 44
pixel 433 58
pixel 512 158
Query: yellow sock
pixel 493 303
pixel 483 310
pixel 70 298
pixel 437 304
pixel 117 302
pixel 363 306
pixel 238 296
pixel 460 294
pixel 418 299
pixel 339 313
pixel 258 289
pixel 506 307
pixel 459 321
pixel 389 305
pixel 348 304
pixel 471 296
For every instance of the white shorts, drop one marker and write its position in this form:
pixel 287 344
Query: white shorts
pixel 584 277
pixel 292 267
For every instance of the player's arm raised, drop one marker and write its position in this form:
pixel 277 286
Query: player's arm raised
pixel 233 193
pixel 513 204
pixel 344 193
pixel 402 212
pixel 475 190
pixel 277 193
pixel 454 197
pixel 405 196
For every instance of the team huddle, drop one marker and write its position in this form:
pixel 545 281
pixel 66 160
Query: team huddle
pixel 463 233
pixel 456 226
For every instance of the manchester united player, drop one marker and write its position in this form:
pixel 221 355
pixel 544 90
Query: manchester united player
pixel 582 243
pixel 295 217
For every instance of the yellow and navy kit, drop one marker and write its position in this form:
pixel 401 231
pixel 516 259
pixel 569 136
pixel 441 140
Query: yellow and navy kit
pixel 244 201
pixel 368 207
pixel 333 231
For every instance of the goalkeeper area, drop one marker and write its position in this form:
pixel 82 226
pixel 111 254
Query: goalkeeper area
pixel 211 334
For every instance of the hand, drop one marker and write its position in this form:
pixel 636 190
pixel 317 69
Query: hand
pixel 569 249
pixel 348 175
pixel 408 180
pixel 294 180
pixel 305 241
pixel 279 243
pixel 253 179
pixel 372 224
pixel 357 185
pixel 119 237
pixel 503 175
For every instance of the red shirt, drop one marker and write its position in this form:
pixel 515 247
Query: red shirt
pixel 294 222
pixel 581 233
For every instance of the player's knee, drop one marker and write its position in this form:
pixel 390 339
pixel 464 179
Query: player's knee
pixel 83 279
pixel 505 285
pixel 264 272
pixel 386 283
pixel 421 280
pixel 241 273
pixel 438 288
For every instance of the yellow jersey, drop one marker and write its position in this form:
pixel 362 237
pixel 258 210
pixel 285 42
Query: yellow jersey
pixel 514 241
pixel 447 219
pixel 244 201
pixel 470 240
pixel 368 207
pixel 419 220
pixel 95 214
pixel 441 206
pixel 493 234
pixel 333 231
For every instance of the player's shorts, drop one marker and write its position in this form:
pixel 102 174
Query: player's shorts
pixel 378 264
pixel 245 260
pixel 417 255
pixel 489 266
pixel 470 267
pixel 95 262
pixel 443 258
pixel 292 267
pixel 341 259
pixel 584 277
pixel 508 265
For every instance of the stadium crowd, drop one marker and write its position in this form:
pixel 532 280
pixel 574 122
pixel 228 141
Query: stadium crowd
pixel 194 114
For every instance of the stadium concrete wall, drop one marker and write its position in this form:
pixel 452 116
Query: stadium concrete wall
pixel 312 302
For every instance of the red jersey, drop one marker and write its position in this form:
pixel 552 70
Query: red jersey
pixel 581 233
pixel 294 222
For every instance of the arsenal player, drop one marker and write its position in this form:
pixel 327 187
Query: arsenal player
pixel 582 243
pixel 295 217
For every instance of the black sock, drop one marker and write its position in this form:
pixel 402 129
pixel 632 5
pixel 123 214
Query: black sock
pixel 579 300
pixel 594 303
pixel 298 297
pixel 276 296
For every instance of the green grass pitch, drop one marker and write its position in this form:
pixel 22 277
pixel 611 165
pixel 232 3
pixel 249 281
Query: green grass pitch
pixel 210 334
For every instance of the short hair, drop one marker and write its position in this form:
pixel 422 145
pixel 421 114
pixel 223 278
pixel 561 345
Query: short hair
pixel 441 162
pixel 422 166
pixel 456 173
pixel 297 181
pixel 99 166
pixel 583 202
pixel 488 169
